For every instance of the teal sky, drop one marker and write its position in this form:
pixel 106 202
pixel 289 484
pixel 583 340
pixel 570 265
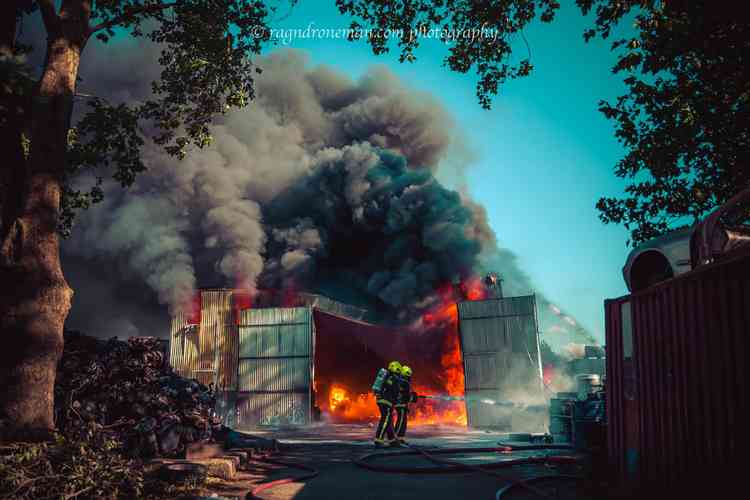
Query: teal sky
pixel 540 158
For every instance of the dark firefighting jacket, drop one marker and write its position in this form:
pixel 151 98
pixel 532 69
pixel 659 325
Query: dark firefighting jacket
pixel 404 394
pixel 389 392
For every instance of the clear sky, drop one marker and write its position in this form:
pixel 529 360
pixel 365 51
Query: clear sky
pixel 540 158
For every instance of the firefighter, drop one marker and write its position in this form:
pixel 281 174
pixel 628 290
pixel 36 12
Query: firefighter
pixel 404 397
pixel 386 390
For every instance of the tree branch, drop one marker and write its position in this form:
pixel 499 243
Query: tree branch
pixel 129 14
pixel 49 14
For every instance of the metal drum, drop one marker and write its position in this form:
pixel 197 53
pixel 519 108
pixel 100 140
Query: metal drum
pixel 561 418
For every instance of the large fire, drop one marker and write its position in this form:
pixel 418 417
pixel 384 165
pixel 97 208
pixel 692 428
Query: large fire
pixel 343 405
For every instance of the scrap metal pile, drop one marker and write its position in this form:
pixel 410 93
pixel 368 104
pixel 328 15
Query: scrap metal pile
pixel 128 389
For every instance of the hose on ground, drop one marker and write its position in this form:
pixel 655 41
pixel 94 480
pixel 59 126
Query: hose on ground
pixel 527 447
pixel 492 473
pixel 312 472
pixel 446 466
pixel 450 466
pixel 525 483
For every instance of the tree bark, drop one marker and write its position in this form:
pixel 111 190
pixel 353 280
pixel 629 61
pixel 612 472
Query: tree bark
pixel 34 296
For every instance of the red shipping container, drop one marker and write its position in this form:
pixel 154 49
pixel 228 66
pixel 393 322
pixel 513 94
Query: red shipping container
pixel 676 374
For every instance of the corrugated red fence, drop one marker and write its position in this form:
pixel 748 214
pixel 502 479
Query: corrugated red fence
pixel 676 378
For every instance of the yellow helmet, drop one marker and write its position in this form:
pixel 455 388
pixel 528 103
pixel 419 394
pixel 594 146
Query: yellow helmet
pixel 405 371
pixel 394 366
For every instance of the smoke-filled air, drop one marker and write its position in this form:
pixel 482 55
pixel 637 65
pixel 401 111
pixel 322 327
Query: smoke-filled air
pixel 322 184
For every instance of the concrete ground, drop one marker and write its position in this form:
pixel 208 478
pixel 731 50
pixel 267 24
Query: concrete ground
pixel 332 448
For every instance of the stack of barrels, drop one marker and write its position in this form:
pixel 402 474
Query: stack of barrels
pixel 575 416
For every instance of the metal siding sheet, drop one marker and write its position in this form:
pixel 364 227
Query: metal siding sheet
pixel 508 306
pixel 216 308
pixel 276 379
pixel 184 344
pixel 495 334
pixel 230 355
pixel 269 340
pixel 689 344
pixel 249 342
pixel 488 375
pixel 614 395
pixel 272 409
pixel 471 371
pixel 736 329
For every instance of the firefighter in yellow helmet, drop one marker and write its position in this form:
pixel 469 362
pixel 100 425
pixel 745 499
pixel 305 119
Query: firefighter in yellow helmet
pixel 385 388
pixel 403 398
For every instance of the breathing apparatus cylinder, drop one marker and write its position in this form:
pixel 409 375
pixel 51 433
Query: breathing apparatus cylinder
pixel 379 379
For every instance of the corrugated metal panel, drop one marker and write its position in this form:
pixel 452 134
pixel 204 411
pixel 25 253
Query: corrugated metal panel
pixel 616 415
pixel 274 374
pixel 272 409
pixel 332 306
pixel 216 317
pixel 499 346
pixel 275 366
pixel 183 356
pixel 689 347
pixel 228 354
pixel 508 306
pixel 208 351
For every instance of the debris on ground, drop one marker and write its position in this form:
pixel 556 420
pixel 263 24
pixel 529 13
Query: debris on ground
pixel 129 390
pixel 87 467
pixel 117 405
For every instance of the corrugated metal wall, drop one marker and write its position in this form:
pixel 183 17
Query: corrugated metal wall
pixel 332 306
pixel 687 376
pixel 216 319
pixel 183 355
pixel 500 349
pixel 623 441
pixel 275 366
pixel 208 351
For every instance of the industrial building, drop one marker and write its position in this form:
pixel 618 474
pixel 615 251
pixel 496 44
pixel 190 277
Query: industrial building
pixel 270 363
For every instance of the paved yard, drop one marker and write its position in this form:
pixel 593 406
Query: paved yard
pixel 331 449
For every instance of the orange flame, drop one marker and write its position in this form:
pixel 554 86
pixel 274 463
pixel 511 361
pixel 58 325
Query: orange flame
pixel 336 397
pixel 343 406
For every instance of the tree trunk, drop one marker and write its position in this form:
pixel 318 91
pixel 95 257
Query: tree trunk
pixel 34 296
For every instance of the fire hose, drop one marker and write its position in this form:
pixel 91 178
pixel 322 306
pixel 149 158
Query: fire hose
pixel 447 466
pixel 312 472
pixel 444 466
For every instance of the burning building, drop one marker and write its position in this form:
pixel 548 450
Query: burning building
pixel 297 359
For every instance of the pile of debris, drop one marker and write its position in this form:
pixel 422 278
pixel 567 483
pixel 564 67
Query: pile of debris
pixel 128 389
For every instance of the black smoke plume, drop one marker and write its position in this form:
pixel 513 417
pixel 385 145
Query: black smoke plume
pixel 322 184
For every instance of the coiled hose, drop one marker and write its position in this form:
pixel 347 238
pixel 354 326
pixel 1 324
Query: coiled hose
pixel 446 466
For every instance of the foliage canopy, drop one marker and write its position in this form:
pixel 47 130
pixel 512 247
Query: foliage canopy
pixel 685 120
pixel 207 69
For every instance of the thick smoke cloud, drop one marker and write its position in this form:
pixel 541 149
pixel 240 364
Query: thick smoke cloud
pixel 322 184
pixel 394 231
